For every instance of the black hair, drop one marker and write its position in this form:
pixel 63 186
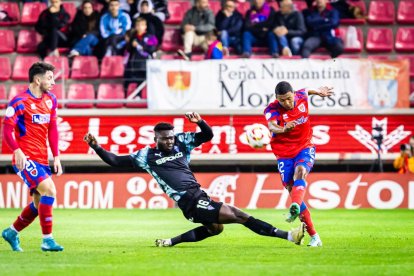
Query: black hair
pixel 283 87
pixel 113 1
pixel 39 68
pixel 163 126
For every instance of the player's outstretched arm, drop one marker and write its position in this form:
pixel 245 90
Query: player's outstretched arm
pixel 106 156
pixel 323 91
pixel 276 129
pixel 206 133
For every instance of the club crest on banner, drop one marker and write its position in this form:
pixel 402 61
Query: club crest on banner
pixel 383 86
pixel 179 84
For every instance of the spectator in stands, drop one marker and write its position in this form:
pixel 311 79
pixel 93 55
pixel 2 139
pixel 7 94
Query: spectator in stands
pixel 113 26
pixel 405 162
pixel 84 30
pixel 258 28
pixel 196 23
pixel 229 25
pixel 30 1
pixel 140 46
pixel 53 26
pixel 289 28
pixel 347 10
pixel 322 21
pixel 124 5
pixel 161 9
pixel 154 24
pixel 215 48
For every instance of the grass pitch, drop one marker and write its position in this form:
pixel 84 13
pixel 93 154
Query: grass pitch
pixel 121 242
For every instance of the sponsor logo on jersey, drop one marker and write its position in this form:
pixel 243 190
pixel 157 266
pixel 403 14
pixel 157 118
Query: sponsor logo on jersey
pixel 40 118
pixel 169 158
pixel 158 154
pixel 301 120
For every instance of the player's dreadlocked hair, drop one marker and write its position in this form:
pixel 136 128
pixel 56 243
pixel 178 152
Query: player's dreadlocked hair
pixel 283 87
pixel 163 126
pixel 39 68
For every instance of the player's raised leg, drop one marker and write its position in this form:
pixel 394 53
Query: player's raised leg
pixel 47 191
pixel 197 234
pixel 305 217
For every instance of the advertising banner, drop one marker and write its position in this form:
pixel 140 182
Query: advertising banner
pixel 244 190
pixel 331 134
pixel 250 83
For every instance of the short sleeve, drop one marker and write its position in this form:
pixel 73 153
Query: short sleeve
pixel 14 111
pixel 140 158
pixel 302 94
pixel 188 139
pixel 271 114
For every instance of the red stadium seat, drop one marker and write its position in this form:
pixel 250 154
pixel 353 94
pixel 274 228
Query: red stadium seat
pixel 27 41
pixel 411 59
pixel 172 40
pixel 21 67
pixel 13 12
pixel 80 91
pixel 274 5
pixel 215 6
pixel 110 91
pixel 16 89
pixel 404 40
pixel 379 40
pixel 405 13
pixel 8 43
pixel 381 12
pixel 3 96
pixel 143 96
pixel 169 57
pixel 350 45
pixel 321 57
pixel 177 10
pixel 5 68
pixel 112 67
pixel 85 67
pixel 231 57
pixel 260 57
pixel 300 5
pixel 70 8
pixel 59 92
pixel 31 12
pixel 61 66
pixel 243 7
pixel 98 6
pixel 354 21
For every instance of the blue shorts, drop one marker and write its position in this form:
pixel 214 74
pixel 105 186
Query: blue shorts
pixel 33 174
pixel 305 158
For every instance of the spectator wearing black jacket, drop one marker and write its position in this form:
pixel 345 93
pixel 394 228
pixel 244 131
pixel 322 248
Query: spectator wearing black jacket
pixel 84 30
pixel 53 26
pixel 229 25
pixel 258 25
pixel 289 28
pixel 154 24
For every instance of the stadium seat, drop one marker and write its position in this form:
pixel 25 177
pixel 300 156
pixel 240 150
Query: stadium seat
pixel 411 59
pixel 85 67
pixel 3 96
pixel 169 57
pixel 379 40
pixel 243 7
pixel 404 40
pixel 112 67
pixel 143 96
pixel 300 5
pixel 354 21
pixel 110 91
pixel 172 40
pixel 381 12
pixel 70 8
pixel 59 92
pixel 260 57
pixel 80 91
pixel 27 41
pixel 13 12
pixel 97 6
pixel 21 67
pixel 31 12
pixel 61 64
pixel 350 47
pixel 320 56
pixel 274 5
pixel 231 57
pixel 16 89
pixel 215 6
pixel 177 9
pixel 405 13
pixel 5 68
pixel 8 43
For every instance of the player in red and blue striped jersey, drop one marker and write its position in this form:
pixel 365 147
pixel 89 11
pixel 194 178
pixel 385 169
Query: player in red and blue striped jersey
pixel 31 115
pixel 288 121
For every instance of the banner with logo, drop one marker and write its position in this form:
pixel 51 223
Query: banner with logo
pixel 244 190
pixel 331 134
pixel 250 83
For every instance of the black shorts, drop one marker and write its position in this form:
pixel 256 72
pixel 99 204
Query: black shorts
pixel 198 207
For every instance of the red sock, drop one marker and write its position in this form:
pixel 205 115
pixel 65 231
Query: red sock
pixel 27 216
pixel 45 214
pixel 305 217
pixel 297 194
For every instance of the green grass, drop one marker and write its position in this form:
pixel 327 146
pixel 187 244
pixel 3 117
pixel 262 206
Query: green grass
pixel 121 242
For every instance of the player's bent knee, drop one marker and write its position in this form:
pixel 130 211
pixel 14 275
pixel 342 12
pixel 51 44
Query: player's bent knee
pixel 218 228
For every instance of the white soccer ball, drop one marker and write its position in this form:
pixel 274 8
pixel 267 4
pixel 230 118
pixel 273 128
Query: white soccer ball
pixel 257 135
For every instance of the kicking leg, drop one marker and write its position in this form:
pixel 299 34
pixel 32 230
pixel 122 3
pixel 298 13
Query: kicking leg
pixel 305 217
pixel 197 234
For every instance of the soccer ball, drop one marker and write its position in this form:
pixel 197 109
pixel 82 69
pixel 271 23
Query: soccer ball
pixel 257 136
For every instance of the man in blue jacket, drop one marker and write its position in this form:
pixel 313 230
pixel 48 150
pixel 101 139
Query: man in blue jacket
pixel 322 21
pixel 113 26
pixel 229 24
